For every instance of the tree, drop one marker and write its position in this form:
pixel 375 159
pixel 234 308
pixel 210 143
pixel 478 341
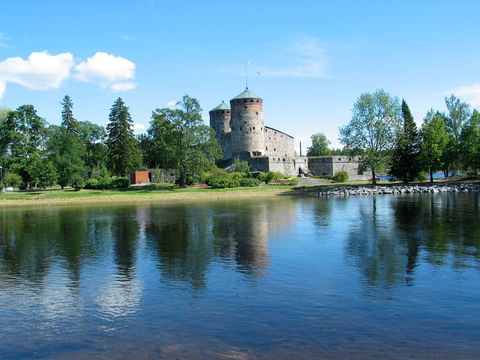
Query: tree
pixel 319 146
pixel 156 144
pixel 92 137
pixel 405 157
pixel 189 145
pixel 470 143
pixel 68 121
pixel 375 121
pixel 122 151
pixel 43 172
pixel 66 152
pixel 22 136
pixel 434 141
pixel 458 114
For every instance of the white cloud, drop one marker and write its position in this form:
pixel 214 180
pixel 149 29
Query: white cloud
pixel 108 71
pixel 468 93
pixel 306 58
pixel 41 71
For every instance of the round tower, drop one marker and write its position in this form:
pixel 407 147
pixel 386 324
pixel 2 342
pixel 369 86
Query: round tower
pixel 220 117
pixel 247 125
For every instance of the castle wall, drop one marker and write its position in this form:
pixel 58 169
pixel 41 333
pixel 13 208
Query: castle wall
pixel 247 127
pixel 278 143
pixel 330 165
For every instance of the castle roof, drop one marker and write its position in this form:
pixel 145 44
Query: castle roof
pixel 223 106
pixel 246 94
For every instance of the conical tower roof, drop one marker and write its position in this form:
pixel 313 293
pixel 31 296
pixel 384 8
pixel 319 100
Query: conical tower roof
pixel 223 106
pixel 246 94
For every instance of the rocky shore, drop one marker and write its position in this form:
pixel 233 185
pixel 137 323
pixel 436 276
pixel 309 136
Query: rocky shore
pixel 392 189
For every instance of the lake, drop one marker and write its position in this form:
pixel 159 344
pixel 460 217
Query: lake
pixel 287 278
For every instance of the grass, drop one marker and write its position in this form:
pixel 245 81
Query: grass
pixel 70 196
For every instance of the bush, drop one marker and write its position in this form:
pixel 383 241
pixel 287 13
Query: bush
pixel 249 182
pixel 422 176
pixel 222 182
pixel 267 177
pixel 13 180
pixel 241 166
pixel 118 182
pixel 91 184
pixel 77 182
pixel 340 176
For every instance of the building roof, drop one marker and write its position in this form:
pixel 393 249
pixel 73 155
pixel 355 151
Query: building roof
pixel 246 94
pixel 223 106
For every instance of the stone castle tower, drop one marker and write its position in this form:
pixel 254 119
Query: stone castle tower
pixel 248 138
pixel 220 119
pixel 239 127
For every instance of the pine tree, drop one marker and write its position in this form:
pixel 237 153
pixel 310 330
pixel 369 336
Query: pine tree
pixel 123 154
pixel 68 121
pixel 405 159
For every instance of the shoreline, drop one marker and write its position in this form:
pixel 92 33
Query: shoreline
pixel 397 189
pixel 194 195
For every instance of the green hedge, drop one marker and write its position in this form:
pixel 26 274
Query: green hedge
pixel 114 182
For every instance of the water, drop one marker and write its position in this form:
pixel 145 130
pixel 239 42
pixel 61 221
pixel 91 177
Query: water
pixel 385 277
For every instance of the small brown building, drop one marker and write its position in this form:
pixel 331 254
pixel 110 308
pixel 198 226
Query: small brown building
pixel 139 177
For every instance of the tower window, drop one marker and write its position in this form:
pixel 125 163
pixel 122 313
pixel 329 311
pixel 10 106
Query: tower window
pixel 256 113
pixel 240 129
pixel 254 128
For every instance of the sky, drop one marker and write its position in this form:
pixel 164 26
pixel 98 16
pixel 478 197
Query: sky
pixel 308 60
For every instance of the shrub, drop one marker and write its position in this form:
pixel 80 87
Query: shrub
pixel 222 182
pixel 118 182
pixel 241 166
pixel 422 176
pixel 13 180
pixel 91 184
pixel 77 182
pixel 340 176
pixel 249 182
pixel 267 177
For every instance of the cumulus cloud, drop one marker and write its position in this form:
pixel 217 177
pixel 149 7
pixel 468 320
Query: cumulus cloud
pixel 469 93
pixel 41 71
pixel 108 71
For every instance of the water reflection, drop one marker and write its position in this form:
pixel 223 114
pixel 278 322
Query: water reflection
pixel 389 236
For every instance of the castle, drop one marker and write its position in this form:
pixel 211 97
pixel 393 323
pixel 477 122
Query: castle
pixel 241 132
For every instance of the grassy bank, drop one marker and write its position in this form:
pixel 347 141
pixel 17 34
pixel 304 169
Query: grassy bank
pixel 50 197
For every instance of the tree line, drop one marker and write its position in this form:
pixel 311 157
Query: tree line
pixel 34 154
pixel 383 131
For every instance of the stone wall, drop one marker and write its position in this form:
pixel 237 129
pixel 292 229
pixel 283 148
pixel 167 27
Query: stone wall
pixel 330 165
pixel 278 143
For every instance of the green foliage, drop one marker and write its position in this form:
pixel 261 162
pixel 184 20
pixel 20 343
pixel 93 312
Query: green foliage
pixel 320 146
pixel 22 135
pixel 470 143
pixel 106 182
pixel 229 181
pixel 340 176
pixel 68 121
pixel 43 173
pixel 185 142
pixel 434 141
pixel 66 153
pixel 375 121
pixel 92 137
pixel 405 158
pixel 270 176
pixel 13 180
pixel 77 182
pixel 123 155
pixel 458 115
pixel 241 166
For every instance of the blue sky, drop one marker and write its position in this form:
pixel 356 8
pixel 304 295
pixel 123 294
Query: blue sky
pixel 314 57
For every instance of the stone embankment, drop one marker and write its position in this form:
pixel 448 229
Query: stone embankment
pixel 393 190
